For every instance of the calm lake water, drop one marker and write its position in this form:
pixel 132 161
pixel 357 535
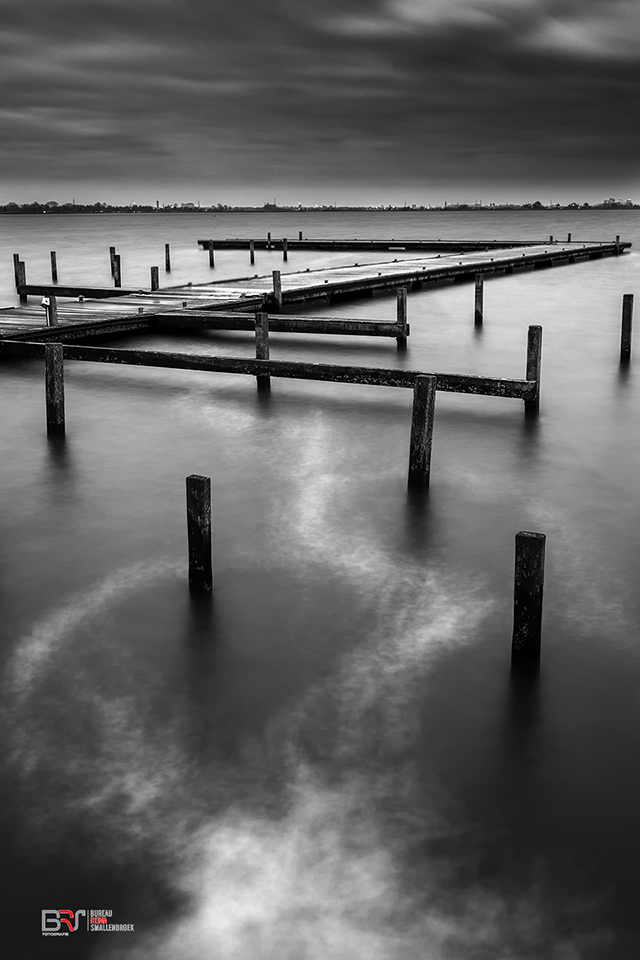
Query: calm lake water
pixel 330 760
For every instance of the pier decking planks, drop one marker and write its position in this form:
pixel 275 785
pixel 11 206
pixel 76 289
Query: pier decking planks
pixel 249 294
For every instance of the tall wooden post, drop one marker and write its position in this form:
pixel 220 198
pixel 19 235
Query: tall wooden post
pixel 16 269
pixel 401 316
pixel 52 311
pixel 262 348
pixel 199 533
pixel 54 388
pixel 568 238
pixel 277 290
pixel 422 417
pixel 285 249
pixel 155 278
pixel 22 279
pixel 617 243
pixel 167 258
pixel 112 260
pixel 627 322
pixel 479 300
pixel 268 241
pixel 252 251
pixel 551 238
pixel 299 234
pixel 211 258
pixel 54 266
pixel 117 268
pixel 534 363
pixel 527 597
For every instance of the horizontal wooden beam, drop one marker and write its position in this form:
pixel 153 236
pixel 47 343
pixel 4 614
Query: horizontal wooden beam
pixel 192 319
pixel 373 376
pixel 95 293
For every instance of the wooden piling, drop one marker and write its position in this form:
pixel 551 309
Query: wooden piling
pixel 627 322
pixel 16 269
pixel 299 234
pixel 22 279
pixel 252 252
pixel 167 258
pixel 551 238
pixel 268 241
pixel 568 238
pixel 199 533
pixel 262 348
pixel 117 270
pixel 285 249
pixel 422 417
pixel 211 257
pixel 112 260
pixel 534 364
pixel 54 388
pixel 277 290
pixel 52 311
pixel 155 278
pixel 617 243
pixel 479 300
pixel 54 266
pixel 527 597
pixel 401 315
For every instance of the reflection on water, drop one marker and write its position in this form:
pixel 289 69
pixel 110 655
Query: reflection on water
pixel 330 758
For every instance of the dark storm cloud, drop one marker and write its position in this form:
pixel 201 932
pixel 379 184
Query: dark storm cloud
pixel 398 92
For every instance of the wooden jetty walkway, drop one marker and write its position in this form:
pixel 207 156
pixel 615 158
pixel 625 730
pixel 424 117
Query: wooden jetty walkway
pixel 106 314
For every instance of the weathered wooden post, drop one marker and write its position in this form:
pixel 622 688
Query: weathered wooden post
pixel 22 279
pixel 568 238
pixel 262 348
pixel 534 363
pixel 252 251
pixel 268 241
pixel 16 269
pixel 479 301
pixel 527 598
pixel 627 322
pixel 54 388
pixel 112 260
pixel 117 271
pixel 277 290
pixel 285 249
pixel 54 266
pixel 422 417
pixel 299 234
pixel 167 258
pixel 155 278
pixel 617 243
pixel 52 311
pixel 551 238
pixel 401 316
pixel 211 258
pixel 199 533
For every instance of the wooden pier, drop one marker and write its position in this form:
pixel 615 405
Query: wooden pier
pixel 276 291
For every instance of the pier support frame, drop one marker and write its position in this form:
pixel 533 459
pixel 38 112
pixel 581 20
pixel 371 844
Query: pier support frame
pixel 534 364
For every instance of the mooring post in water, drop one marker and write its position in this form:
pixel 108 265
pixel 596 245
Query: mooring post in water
pixel 551 238
pixel 299 234
pixel 401 315
pixel 422 417
pixel 627 322
pixel 285 249
pixel 479 301
pixel 211 258
pixel 155 278
pixel 568 238
pixel 117 270
pixel 262 348
pixel 16 269
pixel 617 243
pixel 528 582
pixel 22 279
pixel 112 260
pixel 54 387
pixel 277 290
pixel 268 241
pixel 534 363
pixel 52 311
pixel 252 251
pixel 167 258
pixel 54 266
pixel 199 533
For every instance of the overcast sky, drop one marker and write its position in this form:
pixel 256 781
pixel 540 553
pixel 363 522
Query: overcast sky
pixel 319 100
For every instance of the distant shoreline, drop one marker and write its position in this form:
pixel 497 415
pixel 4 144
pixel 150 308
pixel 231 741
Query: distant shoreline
pixel 79 208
